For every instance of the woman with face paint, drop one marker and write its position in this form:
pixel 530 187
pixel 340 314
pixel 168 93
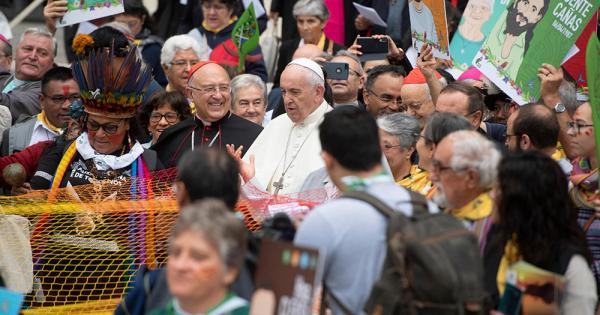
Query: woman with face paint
pixel 108 148
pixel 206 251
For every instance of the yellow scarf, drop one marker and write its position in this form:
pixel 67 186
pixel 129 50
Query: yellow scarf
pixel 511 256
pixel 559 153
pixel 44 120
pixel 321 43
pixel 216 30
pixel 477 209
pixel 416 180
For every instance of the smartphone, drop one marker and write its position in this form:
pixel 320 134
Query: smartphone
pixel 510 303
pixel 372 48
pixel 337 70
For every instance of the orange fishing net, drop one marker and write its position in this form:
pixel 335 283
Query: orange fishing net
pixel 85 247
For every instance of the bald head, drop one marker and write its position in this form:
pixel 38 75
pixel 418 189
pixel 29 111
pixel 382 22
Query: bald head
pixel 210 90
pixel 307 51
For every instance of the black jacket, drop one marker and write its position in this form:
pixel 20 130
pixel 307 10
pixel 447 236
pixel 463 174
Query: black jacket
pixel 177 139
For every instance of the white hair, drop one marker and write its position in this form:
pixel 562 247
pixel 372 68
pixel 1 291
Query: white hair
pixel 181 42
pixel 311 8
pixel 471 150
pixel 247 80
pixel 39 32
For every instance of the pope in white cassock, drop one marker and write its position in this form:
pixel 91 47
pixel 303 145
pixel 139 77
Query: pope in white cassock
pixel 288 150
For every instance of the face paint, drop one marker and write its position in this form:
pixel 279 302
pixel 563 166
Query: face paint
pixel 65 89
pixel 207 274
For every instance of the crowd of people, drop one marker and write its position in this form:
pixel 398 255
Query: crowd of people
pixel 522 180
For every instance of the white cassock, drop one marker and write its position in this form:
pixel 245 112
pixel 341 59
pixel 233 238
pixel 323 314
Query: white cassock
pixel 302 156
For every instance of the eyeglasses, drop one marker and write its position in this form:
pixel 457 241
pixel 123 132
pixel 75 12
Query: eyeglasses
pixel 577 126
pixel 212 89
pixel 60 99
pixel 255 104
pixel 170 117
pixel 388 147
pixel 388 99
pixel 439 168
pixel 109 128
pixel 182 63
pixel 354 72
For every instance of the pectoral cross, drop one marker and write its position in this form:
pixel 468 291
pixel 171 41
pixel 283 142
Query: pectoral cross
pixel 278 186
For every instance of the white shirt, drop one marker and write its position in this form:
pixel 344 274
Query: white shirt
pixel 41 133
pixel 301 158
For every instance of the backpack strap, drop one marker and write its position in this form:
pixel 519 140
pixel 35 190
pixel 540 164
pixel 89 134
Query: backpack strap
pixel 327 293
pixel 417 200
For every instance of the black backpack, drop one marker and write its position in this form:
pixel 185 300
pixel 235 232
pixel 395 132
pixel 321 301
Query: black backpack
pixel 432 264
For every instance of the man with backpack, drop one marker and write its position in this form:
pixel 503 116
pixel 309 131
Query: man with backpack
pixel 360 276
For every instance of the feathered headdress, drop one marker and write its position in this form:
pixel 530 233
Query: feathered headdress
pixel 109 86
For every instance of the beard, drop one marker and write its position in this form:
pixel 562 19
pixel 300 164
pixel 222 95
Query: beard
pixel 512 26
pixel 440 199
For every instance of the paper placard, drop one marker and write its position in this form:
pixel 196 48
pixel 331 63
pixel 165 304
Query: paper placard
pixel 369 14
pixel 86 10
pixel 428 25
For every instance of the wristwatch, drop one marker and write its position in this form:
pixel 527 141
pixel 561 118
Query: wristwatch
pixel 559 108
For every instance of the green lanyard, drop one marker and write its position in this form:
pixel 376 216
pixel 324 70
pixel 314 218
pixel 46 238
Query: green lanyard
pixel 353 183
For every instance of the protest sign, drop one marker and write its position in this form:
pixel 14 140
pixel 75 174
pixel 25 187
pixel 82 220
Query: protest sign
pixel 476 23
pixel 428 25
pixel 287 279
pixel 86 10
pixel 523 39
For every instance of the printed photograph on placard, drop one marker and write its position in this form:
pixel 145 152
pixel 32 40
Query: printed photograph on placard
pixel 428 25
pixel 87 10
pixel 527 34
pixel 475 25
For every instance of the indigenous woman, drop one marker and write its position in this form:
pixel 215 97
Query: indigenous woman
pixel 90 251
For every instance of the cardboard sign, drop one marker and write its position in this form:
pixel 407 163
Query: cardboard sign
pixel 287 279
pixel 428 25
pixel 521 41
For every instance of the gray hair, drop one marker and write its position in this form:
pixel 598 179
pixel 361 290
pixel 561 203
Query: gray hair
pixel 404 127
pixel 345 53
pixel 311 8
pixel 471 150
pixel 40 32
pixel 568 95
pixel 218 226
pixel 181 42
pixel 439 125
pixel 247 80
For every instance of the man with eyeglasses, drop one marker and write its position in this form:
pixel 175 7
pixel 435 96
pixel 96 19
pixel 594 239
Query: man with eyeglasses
pixel 178 55
pixel 535 127
pixel 59 90
pixel 463 171
pixel 382 90
pixel 33 58
pixel 416 97
pixel 345 92
pixel 214 124
pixel 463 99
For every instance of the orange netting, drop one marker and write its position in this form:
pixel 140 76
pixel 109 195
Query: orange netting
pixel 79 253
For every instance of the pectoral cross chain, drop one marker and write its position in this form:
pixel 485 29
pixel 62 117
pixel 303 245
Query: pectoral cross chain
pixel 278 186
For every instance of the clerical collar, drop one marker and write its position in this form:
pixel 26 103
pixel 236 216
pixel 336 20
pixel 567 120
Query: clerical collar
pixel 353 103
pixel 316 115
pixel 208 123
pixel 353 183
